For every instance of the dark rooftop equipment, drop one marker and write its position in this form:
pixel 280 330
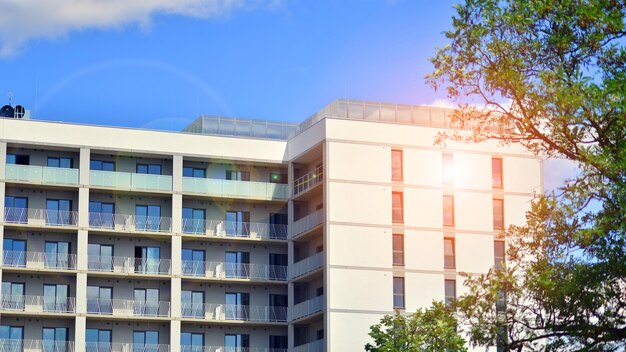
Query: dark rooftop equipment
pixel 19 111
pixel 7 111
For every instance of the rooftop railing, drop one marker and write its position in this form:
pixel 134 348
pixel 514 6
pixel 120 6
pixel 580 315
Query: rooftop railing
pixel 38 260
pixel 221 228
pixel 308 307
pixel 231 126
pixel 221 312
pixel 129 265
pixel 236 189
pixel 128 308
pixel 38 304
pixel 123 222
pixel 42 174
pixel 223 270
pixel 42 217
pixel 131 181
pixel 308 180
pixel 306 223
pixel 13 345
pixel 306 265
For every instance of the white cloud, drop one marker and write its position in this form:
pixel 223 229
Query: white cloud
pixel 24 20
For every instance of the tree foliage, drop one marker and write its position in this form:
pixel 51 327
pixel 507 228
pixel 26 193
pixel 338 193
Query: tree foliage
pixel 432 330
pixel 549 75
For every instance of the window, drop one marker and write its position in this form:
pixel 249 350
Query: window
pixel 278 226
pixel 278 266
pixel 449 261
pixel 235 342
pixel 447 169
pixel 191 342
pixel 57 255
pixel 192 304
pixel 498 214
pixel 237 265
pixel 448 210
pixel 319 334
pixel 496 172
pixel 278 342
pixel 150 169
pixel 55 339
pixel 238 223
pixel 14 252
pixel 277 177
pixel 193 262
pixel 237 175
pixel 398 249
pixel 397 207
pixel 60 162
pixel 398 292
pixel 15 334
pixel 319 291
pixel 148 217
pixel 237 306
pixel 147 260
pixel 146 302
pixel 278 307
pixel 450 291
pixel 99 300
pixel 193 220
pixel 13 295
pixel 194 172
pixel 55 298
pixel 102 165
pixel 101 214
pixel 16 209
pixel 59 212
pixel 18 159
pixel 499 254
pixel 100 257
pixel 98 340
pixel 145 340
pixel 396 165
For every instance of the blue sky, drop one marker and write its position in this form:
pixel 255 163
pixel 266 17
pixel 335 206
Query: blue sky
pixel 160 67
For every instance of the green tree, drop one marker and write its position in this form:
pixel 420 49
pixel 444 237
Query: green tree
pixel 432 330
pixel 549 75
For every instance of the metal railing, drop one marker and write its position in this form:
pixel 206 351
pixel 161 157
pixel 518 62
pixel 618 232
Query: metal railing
pixel 236 189
pixel 233 126
pixel 308 307
pixel 306 265
pixel 12 345
pixel 308 180
pixel 128 180
pixel 125 347
pixel 128 307
pixel 129 265
pixel 38 304
pixel 191 348
pixel 221 228
pixel 123 222
pixel 306 223
pixel 315 346
pixel 38 260
pixel 42 174
pixel 221 312
pixel 46 217
pixel 223 270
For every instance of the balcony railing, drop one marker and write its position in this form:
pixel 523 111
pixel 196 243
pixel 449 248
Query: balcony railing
pixel 10 345
pixel 40 216
pixel 306 223
pixel 221 270
pixel 38 304
pixel 42 174
pixel 236 189
pixel 315 346
pixel 221 312
pixel 306 265
pixel 308 180
pixel 190 348
pixel 39 260
pixel 128 180
pixel 222 228
pixel 122 222
pixel 128 308
pixel 124 347
pixel 128 265
pixel 308 307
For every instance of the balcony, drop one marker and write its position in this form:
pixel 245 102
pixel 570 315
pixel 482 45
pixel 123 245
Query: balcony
pixel 129 223
pixel 38 304
pixel 235 189
pixel 189 348
pixel 41 174
pixel 308 181
pixel 220 270
pixel 306 223
pixel 40 217
pixel 307 308
pixel 128 308
pixel 122 347
pixel 306 265
pixel 228 312
pixel 315 346
pixel 220 228
pixel 129 265
pixel 38 260
pixel 9 345
pixel 130 181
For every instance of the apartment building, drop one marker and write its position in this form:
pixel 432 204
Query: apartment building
pixel 244 235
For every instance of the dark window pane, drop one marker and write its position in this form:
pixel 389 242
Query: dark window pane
pixel 448 252
pixel 397 206
pixel 398 249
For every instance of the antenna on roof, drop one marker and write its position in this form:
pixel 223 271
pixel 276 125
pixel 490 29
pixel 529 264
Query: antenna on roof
pixel 10 95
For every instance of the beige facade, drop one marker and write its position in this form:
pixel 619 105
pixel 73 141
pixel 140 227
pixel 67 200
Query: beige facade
pixel 147 258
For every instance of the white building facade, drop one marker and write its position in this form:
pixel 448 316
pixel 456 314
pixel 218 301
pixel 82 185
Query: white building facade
pixel 245 235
